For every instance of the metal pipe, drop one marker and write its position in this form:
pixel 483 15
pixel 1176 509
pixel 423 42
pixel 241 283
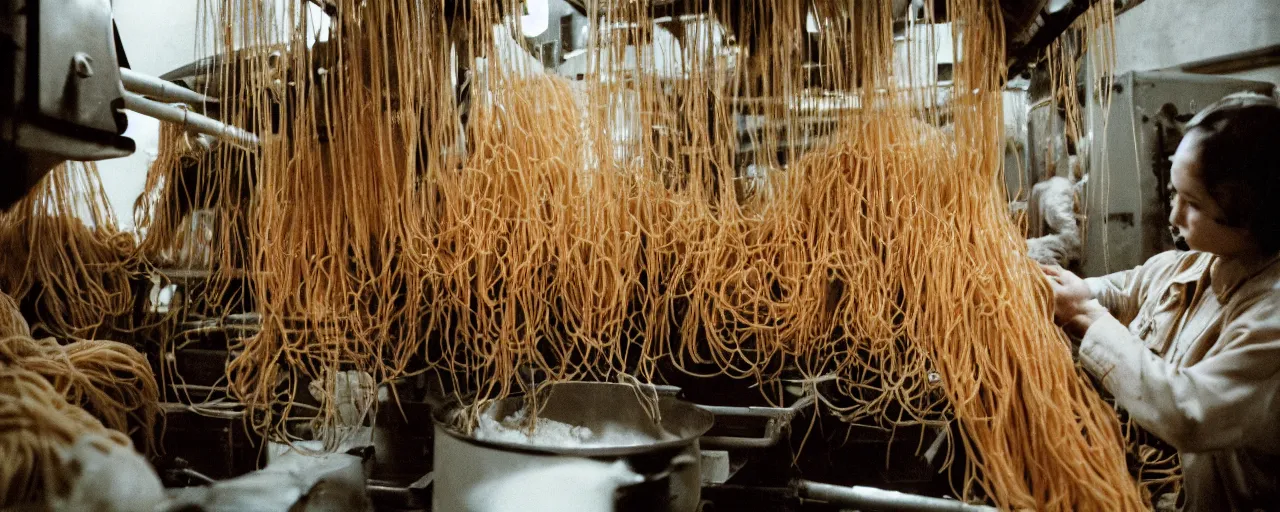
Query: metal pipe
pixel 189 120
pixel 871 498
pixel 160 89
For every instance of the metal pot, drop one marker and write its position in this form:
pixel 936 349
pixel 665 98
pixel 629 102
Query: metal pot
pixel 474 475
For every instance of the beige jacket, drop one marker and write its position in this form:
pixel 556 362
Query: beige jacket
pixel 1193 355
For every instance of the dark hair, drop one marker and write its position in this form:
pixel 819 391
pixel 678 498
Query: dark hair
pixel 1240 162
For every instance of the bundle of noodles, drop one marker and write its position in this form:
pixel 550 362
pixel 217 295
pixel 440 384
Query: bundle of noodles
pixel 75 280
pixel 12 323
pixel 173 190
pixel 192 211
pixel 66 262
pixel 37 425
pixel 110 380
pixel 513 244
pixel 336 242
pixel 1039 437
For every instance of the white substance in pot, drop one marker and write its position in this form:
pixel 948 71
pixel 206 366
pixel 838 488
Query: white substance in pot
pixel 554 434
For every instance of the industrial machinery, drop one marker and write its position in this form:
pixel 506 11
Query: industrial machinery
pixel 66 85
pixel 64 102
pixel 1127 194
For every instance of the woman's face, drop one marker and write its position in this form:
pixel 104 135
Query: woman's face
pixel 1199 219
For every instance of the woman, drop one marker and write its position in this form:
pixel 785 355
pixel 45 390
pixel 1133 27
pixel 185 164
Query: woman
pixel 1189 342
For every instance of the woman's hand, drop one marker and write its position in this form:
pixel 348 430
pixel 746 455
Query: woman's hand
pixel 1074 307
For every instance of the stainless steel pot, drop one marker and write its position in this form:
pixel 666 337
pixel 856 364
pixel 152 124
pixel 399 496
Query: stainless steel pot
pixel 659 476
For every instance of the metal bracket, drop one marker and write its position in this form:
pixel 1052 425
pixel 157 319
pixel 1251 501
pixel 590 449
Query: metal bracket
pixel 778 420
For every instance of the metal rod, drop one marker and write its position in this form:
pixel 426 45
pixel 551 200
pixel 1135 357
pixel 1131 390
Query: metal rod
pixel 871 498
pixel 189 120
pixel 160 89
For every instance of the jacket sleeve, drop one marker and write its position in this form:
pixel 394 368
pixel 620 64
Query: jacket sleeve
pixel 1122 292
pixel 1228 400
pixel 1117 292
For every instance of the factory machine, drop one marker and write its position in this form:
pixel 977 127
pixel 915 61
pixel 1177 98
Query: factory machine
pixel 1128 190
pixel 729 450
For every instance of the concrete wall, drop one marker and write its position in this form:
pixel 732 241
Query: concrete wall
pixel 1167 34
